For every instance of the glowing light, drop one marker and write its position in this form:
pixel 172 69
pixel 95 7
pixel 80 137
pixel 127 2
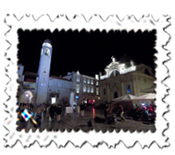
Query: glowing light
pixel 128 89
pixel 84 80
pixel 93 113
pixel 77 88
pixel 53 100
pixel 84 88
pixel 92 89
pixel 96 83
pixel 78 79
pixel 88 90
pixel 77 97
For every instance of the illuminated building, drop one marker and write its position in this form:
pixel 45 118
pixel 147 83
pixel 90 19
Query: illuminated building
pixel 123 77
pixel 44 88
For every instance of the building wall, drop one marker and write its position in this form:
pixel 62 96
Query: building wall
pixel 135 80
pixel 143 81
pixel 103 85
pixel 20 72
pixel 61 88
pixel 79 82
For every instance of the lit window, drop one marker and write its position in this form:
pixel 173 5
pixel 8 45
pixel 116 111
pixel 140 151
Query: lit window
pixel 128 89
pixel 96 83
pixel 84 80
pixel 92 89
pixel 84 88
pixel 92 82
pixel 88 90
pixel 78 79
pixel 97 91
pixel 77 88
pixel 88 81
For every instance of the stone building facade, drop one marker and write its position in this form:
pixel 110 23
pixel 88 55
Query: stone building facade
pixel 85 86
pixel 42 88
pixel 123 77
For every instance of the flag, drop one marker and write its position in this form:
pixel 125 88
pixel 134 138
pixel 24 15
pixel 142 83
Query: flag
pixel 26 114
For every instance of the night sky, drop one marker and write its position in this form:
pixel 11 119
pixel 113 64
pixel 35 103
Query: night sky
pixel 88 52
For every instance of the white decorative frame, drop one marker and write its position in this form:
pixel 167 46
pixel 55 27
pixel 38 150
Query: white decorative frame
pixel 79 22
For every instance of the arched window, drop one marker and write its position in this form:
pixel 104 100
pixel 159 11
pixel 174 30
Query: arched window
pixel 115 95
pixel 84 88
pixel 128 89
pixel 114 73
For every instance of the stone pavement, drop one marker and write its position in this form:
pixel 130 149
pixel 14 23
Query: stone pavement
pixel 73 122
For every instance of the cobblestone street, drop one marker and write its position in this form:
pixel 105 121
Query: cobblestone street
pixel 72 122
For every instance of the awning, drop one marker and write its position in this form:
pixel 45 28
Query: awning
pixel 147 97
pixel 125 98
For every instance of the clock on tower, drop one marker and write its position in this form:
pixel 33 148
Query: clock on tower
pixel 47 52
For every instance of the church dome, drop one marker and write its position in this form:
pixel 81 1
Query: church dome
pixel 128 61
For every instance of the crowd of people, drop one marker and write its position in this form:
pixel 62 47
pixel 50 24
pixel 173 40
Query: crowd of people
pixel 55 112
pixel 142 113
pixel 109 115
pixel 49 112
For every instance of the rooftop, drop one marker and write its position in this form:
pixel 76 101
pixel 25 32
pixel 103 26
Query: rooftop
pixel 47 41
pixel 59 78
pixel 31 74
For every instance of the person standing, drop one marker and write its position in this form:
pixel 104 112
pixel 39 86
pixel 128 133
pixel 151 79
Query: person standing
pixel 48 110
pixel 106 109
pixel 82 107
pixel 78 110
pixel 39 117
pixel 52 111
pixel 58 111
pixel 122 112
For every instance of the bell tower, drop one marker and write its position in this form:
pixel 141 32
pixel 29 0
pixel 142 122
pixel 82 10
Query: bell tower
pixel 44 71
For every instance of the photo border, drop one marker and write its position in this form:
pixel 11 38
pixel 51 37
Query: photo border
pixel 98 23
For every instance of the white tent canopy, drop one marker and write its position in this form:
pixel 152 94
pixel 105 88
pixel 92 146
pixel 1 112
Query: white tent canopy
pixel 146 97
pixel 125 98
pixel 132 98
